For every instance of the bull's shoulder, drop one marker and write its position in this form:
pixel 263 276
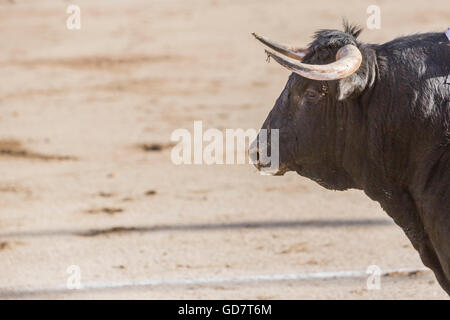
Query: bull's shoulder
pixel 419 52
pixel 416 41
pixel 414 69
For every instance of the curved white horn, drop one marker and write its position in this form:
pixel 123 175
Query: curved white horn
pixel 296 53
pixel 348 60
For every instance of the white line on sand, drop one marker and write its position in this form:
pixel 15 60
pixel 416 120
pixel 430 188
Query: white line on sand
pixel 205 281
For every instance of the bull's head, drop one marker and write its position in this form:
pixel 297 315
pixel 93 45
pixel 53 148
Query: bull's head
pixel 310 113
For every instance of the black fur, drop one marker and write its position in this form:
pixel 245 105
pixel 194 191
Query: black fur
pixel 385 130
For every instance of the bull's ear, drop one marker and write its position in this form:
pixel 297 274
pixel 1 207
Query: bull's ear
pixel 351 86
pixel 357 82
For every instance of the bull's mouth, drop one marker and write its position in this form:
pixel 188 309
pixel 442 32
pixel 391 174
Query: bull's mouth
pixel 281 170
pixel 266 168
pixel 267 171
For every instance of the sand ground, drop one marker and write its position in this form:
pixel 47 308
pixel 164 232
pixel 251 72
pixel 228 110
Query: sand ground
pixel 85 123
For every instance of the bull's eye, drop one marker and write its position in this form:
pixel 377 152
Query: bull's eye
pixel 311 95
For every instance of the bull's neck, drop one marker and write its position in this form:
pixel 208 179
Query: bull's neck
pixel 358 151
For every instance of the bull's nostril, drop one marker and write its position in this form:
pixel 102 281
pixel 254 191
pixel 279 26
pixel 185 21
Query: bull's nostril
pixel 254 155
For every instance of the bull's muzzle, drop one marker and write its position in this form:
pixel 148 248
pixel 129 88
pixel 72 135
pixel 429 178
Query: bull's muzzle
pixel 258 154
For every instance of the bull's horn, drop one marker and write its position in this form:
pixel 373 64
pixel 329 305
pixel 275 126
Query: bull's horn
pixel 296 53
pixel 348 60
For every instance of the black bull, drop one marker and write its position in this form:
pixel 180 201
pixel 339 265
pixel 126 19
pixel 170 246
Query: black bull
pixel 385 129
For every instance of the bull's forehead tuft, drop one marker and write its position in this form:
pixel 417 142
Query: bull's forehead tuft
pixel 328 38
pixel 327 42
pixel 332 39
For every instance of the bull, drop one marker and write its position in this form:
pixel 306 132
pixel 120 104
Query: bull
pixel 374 117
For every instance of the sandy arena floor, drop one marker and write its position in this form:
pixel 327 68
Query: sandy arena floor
pixel 85 123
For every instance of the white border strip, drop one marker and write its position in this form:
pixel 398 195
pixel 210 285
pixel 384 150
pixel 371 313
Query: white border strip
pixel 250 278
pixel 206 281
